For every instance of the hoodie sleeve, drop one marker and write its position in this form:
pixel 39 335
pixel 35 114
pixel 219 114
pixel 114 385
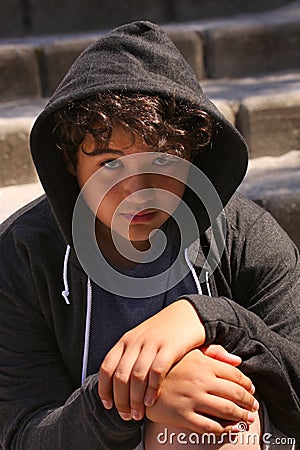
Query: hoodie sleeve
pixel 39 406
pixel 261 323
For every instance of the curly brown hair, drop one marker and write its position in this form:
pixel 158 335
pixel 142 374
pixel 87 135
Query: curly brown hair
pixel 165 124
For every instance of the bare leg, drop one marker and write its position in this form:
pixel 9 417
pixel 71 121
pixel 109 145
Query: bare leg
pixel 161 437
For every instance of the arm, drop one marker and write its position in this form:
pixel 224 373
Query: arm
pixel 261 323
pixel 39 406
pixel 141 359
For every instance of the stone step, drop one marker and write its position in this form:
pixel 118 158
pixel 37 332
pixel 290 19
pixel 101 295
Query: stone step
pixel 265 109
pixel 16 120
pixel 20 17
pixel 15 197
pixel 273 183
pixel 231 47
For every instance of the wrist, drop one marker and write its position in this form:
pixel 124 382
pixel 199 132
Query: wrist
pixel 195 318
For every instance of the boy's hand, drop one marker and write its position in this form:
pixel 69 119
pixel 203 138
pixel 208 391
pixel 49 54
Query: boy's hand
pixel 204 395
pixel 135 367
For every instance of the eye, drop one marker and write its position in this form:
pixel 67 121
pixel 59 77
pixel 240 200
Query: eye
pixel 111 164
pixel 164 160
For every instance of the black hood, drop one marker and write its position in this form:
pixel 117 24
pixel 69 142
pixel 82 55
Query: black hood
pixel 134 58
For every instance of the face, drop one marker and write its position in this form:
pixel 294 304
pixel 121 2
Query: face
pixel 135 186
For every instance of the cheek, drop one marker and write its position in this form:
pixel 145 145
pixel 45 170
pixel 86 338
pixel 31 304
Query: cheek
pixel 85 175
pixel 170 194
pixel 174 186
pixel 97 190
pixel 110 201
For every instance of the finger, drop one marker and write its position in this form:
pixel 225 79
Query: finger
pixel 235 393
pixel 225 371
pixel 139 381
pixel 121 379
pixel 107 369
pixel 201 424
pixel 218 352
pixel 224 409
pixel 159 368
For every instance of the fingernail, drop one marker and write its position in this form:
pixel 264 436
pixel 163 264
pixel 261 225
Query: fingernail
pixel 255 405
pixel 136 414
pixel 236 358
pixel 107 404
pixel 125 416
pixel 252 389
pixel 149 401
pixel 251 418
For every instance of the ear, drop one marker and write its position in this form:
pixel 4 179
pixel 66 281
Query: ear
pixel 69 164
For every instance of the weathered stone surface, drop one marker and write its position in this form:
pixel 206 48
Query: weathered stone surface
pixel 19 17
pixel 16 165
pixel 243 49
pixel 22 109
pixel 274 183
pixel 56 58
pixel 16 120
pixel 19 73
pixel 271 124
pixel 226 109
pixel 77 15
pixel 11 18
pixel 13 198
pixel 190 44
pixel 197 10
pixel 235 90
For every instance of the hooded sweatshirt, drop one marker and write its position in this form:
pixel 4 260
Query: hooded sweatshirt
pixel 248 296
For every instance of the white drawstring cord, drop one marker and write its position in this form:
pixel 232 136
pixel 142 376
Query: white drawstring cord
pixel 65 293
pixel 196 279
pixel 207 284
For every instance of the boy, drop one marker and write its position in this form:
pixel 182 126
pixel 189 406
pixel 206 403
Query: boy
pixel 131 106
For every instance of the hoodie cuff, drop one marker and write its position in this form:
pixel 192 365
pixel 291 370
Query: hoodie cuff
pixel 217 315
pixel 112 414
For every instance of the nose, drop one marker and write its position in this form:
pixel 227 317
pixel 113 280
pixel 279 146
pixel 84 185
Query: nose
pixel 139 188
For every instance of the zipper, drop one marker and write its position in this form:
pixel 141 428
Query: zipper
pixel 89 300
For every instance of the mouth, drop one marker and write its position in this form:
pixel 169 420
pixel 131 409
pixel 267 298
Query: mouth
pixel 140 217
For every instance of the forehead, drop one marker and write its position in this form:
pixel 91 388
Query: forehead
pixel 127 141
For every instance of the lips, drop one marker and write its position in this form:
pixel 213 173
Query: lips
pixel 140 217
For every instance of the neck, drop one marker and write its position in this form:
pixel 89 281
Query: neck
pixel 110 251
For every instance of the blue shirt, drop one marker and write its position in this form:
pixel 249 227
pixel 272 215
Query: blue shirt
pixel 113 315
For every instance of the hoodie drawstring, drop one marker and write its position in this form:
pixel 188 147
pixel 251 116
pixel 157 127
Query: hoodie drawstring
pixel 207 284
pixel 65 293
pixel 197 282
pixel 194 274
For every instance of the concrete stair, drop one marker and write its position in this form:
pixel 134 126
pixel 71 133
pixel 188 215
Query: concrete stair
pixel 39 17
pixel 249 65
